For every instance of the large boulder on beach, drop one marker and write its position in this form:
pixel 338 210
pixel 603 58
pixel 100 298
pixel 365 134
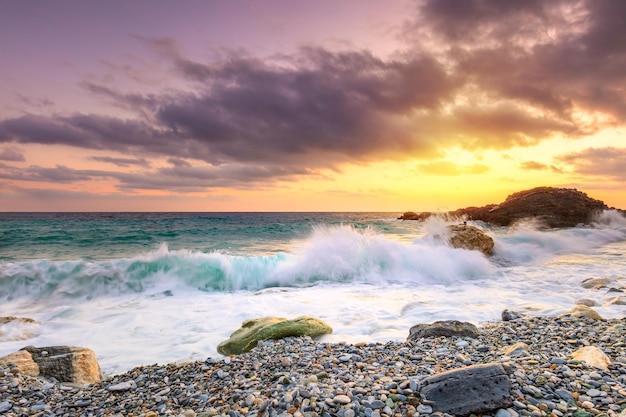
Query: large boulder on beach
pixel 77 365
pixel 271 328
pixel 469 390
pixel 445 328
pixel 465 236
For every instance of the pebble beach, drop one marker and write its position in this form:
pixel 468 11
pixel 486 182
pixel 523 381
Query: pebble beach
pixel 302 377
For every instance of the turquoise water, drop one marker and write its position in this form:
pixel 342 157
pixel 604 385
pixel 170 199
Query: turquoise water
pixel 141 288
pixel 94 236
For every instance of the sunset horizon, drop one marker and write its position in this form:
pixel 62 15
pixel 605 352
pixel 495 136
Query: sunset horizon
pixel 308 107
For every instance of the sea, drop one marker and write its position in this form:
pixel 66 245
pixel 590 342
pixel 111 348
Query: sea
pixel 157 288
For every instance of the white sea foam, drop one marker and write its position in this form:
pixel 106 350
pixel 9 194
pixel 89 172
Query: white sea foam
pixel 175 305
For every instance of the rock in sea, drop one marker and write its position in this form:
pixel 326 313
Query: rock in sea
pixel 464 236
pixel 246 338
pixel 584 311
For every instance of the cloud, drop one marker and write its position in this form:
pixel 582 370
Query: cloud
pixel 447 168
pixel 534 166
pixel 606 162
pixel 122 162
pixel 556 57
pixel 11 154
pixel 59 174
pixel 479 74
pixel 181 176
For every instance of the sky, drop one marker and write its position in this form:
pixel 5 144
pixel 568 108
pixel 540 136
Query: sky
pixel 290 105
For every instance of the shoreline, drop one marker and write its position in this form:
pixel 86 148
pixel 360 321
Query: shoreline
pixel 306 378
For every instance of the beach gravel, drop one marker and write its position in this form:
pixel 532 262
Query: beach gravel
pixel 301 377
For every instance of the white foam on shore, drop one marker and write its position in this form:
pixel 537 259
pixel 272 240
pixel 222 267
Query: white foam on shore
pixel 366 286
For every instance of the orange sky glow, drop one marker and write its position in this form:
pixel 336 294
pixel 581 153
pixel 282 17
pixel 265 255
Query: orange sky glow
pixel 316 106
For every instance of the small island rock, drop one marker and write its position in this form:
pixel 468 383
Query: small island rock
pixel 553 207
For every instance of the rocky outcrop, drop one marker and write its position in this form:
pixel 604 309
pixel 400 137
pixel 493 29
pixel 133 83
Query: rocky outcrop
pixel 464 236
pixel 469 390
pixel 446 328
pixel 553 207
pixel 77 365
pixel 265 328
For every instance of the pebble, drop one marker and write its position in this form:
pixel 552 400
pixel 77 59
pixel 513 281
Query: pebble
pixel 341 399
pixel 300 377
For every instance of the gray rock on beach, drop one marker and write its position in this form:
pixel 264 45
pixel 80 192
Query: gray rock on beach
pixel 468 390
pixel 77 365
pixel 508 315
pixel 446 328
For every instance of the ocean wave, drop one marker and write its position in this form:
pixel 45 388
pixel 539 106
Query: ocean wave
pixel 330 255
pixel 527 242
pixel 338 254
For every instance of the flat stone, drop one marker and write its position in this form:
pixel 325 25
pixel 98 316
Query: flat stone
pixel 5 406
pixel 252 331
pixel 341 399
pixel 122 386
pixel 473 389
pixel 446 328
pixel 516 350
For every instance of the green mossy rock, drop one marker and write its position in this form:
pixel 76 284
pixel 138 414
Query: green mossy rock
pixel 265 328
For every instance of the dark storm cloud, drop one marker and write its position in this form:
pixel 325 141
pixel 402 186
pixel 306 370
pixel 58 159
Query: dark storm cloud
pixel 554 56
pixel 480 74
pixel 83 131
pixel 604 162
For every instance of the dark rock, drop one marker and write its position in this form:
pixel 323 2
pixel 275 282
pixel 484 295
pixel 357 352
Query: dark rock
pixel 473 389
pixel 510 315
pixel 411 215
pixel 447 328
pixel 553 207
